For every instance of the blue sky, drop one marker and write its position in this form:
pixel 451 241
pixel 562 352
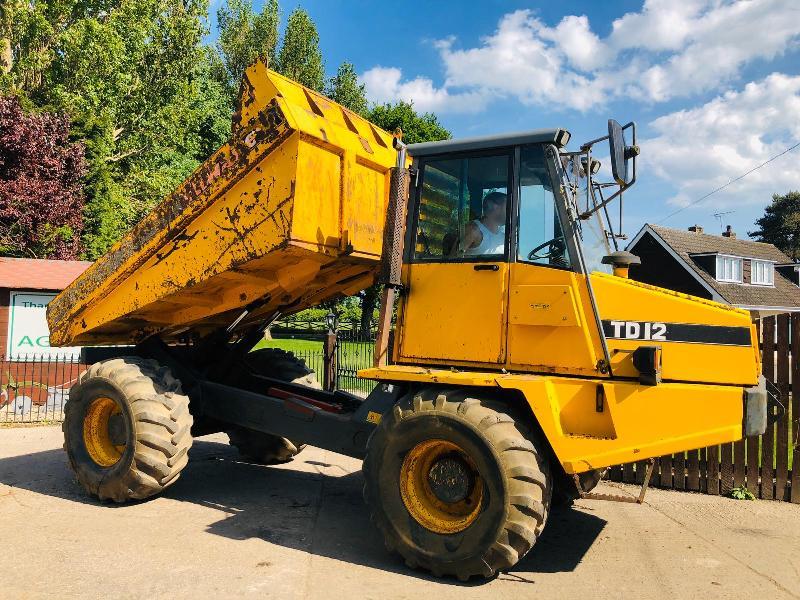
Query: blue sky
pixel 714 86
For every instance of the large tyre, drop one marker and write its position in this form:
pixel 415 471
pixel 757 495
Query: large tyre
pixel 127 429
pixel 455 484
pixel 263 448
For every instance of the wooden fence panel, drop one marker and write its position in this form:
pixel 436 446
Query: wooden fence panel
pixel 753 456
pixel 739 463
pixel 666 470
pixel 655 478
pixel 782 434
pixel 768 439
pixel 628 475
pixel 725 468
pixel 712 470
pixel 641 467
pixel 693 471
pixel 679 471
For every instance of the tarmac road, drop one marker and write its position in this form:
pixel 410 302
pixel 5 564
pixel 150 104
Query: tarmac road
pixel 228 529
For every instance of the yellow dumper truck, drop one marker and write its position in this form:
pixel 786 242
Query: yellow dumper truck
pixel 513 373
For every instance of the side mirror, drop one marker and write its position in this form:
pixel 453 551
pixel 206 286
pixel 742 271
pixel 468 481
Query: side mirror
pixel 620 152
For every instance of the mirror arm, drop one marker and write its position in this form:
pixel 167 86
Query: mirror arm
pixel 586 146
pixel 585 215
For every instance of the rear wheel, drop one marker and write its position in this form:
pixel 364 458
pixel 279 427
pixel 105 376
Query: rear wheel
pixel 455 484
pixel 260 447
pixel 127 429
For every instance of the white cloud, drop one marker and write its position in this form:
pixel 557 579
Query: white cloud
pixel 703 148
pixel 517 60
pixel 711 46
pixel 383 84
pixel 668 49
pixel 575 40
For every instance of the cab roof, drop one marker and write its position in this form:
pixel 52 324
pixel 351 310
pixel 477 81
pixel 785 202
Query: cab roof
pixel 559 137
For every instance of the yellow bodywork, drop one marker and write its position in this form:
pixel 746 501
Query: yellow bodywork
pixel 529 318
pixel 547 342
pixel 289 213
pixel 625 299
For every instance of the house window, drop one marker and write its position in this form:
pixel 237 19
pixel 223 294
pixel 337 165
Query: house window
pixel 729 268
pixel 763 273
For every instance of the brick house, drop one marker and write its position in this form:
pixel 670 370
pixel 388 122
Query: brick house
pixel 746 274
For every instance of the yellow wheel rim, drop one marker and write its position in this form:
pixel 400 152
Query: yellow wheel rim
pixel 96 435
pixel 441 487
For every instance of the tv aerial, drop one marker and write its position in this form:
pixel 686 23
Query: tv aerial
pixel 718 216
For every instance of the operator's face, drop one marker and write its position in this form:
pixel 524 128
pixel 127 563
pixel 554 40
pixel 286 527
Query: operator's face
pixel 497 212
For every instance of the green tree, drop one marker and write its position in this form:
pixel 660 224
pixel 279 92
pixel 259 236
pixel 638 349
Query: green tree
pixel 345 89
pixel 300 57
pixel 780 224
pixel 211 105
pixel 135 80
pixel 244 36
pixel 416 127
pixel 7 12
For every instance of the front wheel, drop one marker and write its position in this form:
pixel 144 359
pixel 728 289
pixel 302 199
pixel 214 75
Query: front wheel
pixel 127 429
pixel 456 485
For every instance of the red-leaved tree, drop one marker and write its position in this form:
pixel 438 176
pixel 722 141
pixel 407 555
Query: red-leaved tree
pixel 41 197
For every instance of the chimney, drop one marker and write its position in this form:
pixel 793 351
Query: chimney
pixel 729 233
pixel 696 229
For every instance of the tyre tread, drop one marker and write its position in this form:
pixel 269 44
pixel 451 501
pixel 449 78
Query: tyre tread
pixel 525 469
pixel 159 411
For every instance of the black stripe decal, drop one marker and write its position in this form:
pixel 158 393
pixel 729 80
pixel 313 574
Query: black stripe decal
pixel 657 331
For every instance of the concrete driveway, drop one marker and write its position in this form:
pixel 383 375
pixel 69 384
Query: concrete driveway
pixel 229 529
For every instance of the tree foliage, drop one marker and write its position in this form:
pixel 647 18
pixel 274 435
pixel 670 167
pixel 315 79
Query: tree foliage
pixel 300 57
pixel 41 198
pixel 135 79
pixel 780 224
pixel 345 89
pixel 244 36
pixel 416 127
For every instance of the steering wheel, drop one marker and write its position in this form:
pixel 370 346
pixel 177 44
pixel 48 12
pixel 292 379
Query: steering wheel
pixel 555 249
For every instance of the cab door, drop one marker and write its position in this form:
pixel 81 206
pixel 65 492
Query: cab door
pixel 454 309
pixel 551 326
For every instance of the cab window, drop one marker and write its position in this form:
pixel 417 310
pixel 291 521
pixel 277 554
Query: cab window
pixel 463 209
pixel 540 238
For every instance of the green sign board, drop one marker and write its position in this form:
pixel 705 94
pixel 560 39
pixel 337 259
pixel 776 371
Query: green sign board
pixel 28 334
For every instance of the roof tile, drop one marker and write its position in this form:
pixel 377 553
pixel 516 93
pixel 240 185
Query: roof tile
pixel 39 274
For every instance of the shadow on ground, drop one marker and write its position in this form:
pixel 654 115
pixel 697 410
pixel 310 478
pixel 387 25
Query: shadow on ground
pixel 317 510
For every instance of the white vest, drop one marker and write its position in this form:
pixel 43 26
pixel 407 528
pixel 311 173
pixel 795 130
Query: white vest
pixel 491 243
